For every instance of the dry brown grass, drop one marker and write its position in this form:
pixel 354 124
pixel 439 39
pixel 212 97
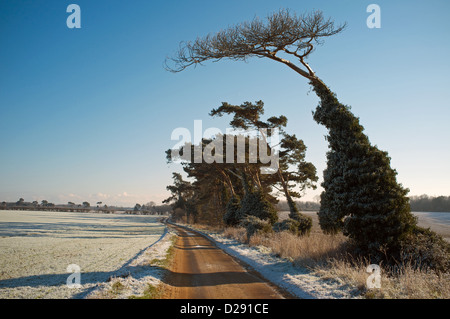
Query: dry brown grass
pixel 307 251
pixel 328 257
pixel 406 282
pixel 419 284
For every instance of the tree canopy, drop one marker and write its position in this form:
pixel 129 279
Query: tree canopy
pixel 239 188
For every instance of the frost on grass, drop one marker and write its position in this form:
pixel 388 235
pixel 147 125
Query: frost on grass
pixel 299 281
pixel 37 247
pixel 134 279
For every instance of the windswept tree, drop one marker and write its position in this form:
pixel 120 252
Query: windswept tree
pixel 290 168
pixel 283 33
pixel 361 194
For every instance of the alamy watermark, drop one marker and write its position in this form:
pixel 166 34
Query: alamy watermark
pixel 74 19
pixel 374 19
pixel 74 280
pixel 374 280
pixel 251 146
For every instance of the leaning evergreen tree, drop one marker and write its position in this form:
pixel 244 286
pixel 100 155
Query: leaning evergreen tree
pixel 361 195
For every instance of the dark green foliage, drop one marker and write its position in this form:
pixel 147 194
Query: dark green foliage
pixel 299 227
pixel 426 249
pixel 191 210
pixel 291 169
pixel 332 202
pixel 361 195
pixel 304 223
pixel 287 224
pixel 255 204
pixel 292 206
pixel 255 225
pixel 231 216
pixel 297 223
pixel 182 196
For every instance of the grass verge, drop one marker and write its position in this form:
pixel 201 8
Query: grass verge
pixel 157 291
pixel 328 256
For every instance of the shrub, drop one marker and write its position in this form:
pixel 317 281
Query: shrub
pixel 254 225
pixel 288 224
pixel 299 226
pixel 255 204
pixel 426 249
pixel 304 223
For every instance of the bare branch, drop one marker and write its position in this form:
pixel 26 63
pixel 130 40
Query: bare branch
pixel 280 31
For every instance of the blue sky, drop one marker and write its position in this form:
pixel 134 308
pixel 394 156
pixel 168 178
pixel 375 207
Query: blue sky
pixel 86 114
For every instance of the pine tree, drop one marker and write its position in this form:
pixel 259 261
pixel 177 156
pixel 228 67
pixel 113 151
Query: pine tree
pixel 231 216
pixel 291 168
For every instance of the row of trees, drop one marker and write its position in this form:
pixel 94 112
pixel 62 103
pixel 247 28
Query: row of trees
pixel 231 189
pixel 422 203
pixel 46 203
pixel 283 205
pixel 150 208
pixel 361 196
pixel 425 203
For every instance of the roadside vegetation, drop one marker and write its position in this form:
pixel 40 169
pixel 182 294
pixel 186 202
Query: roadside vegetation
pixel 331 258
pixel 364 215
pixel 125 286
pixel 157 291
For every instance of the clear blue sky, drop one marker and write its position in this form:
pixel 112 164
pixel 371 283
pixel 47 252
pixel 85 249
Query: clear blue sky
pixel 86 114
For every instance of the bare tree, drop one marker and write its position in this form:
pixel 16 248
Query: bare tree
pixel 284 34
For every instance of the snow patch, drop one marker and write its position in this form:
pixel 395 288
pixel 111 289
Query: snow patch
pixel 300 282
pixel 135 276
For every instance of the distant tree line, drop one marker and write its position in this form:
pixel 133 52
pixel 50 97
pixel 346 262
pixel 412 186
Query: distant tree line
pixel 150 208
pixel 283 205
pixel 425 203
pixel 43 204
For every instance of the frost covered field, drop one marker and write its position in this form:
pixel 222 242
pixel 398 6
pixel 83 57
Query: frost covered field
pixel 36 248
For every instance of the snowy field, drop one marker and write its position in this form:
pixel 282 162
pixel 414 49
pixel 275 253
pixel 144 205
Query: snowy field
pixel 37 247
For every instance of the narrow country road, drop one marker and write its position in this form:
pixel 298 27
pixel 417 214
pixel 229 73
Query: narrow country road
pixel 200 270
